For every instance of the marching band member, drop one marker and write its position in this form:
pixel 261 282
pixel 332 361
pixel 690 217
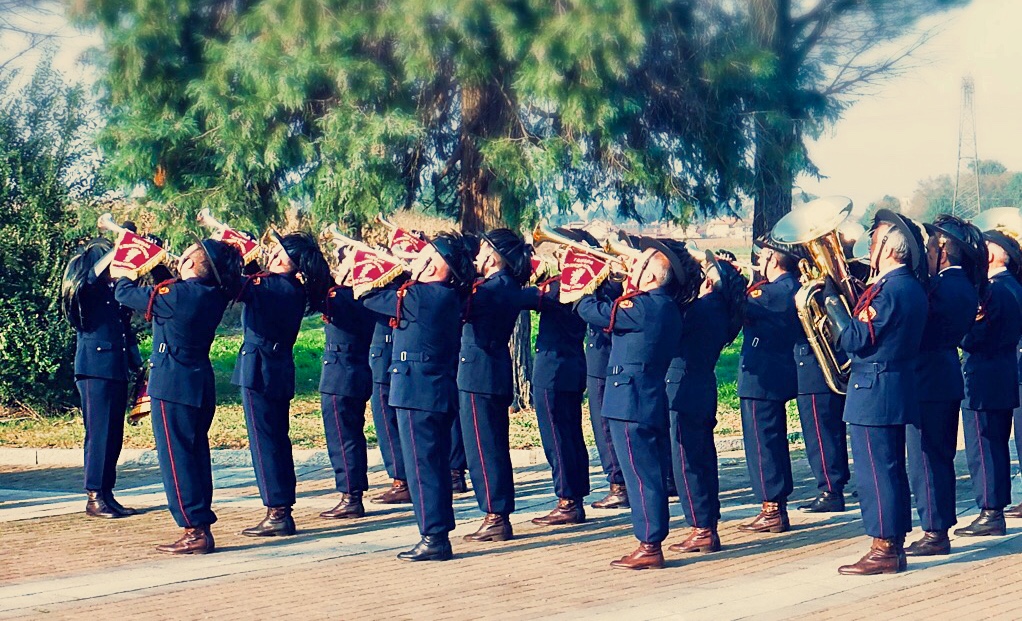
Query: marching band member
pixel 384 416
pixel 558 383
pixel 882 337
pixel 709 324
pixel 106 355
pixel 645 325
pixel 345 386
pixel 767 380
pixel 293 285
pixel 485 377
pixel 423 389
pixel 956 258
pixel 991 385
pixel 185 313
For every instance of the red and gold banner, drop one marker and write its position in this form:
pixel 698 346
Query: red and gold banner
pixel 401 241
pixel 248 247
pixel 134 253
pixel 581 275
pixel 372 271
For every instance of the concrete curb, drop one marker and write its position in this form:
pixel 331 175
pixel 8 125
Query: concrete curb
pixel 303 457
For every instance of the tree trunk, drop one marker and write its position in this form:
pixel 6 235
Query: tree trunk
pixel 776 130
pixel 485 114
pixel 521 358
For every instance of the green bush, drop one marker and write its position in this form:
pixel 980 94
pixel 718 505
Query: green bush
pixel 44 170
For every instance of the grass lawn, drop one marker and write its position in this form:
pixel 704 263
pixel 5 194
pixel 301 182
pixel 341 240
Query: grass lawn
pixel 228 430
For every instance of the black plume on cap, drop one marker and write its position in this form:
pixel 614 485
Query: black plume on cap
pixel 457 252
pixel 514 251
pixel 308 259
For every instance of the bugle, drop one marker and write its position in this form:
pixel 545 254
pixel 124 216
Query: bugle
pixel 612 256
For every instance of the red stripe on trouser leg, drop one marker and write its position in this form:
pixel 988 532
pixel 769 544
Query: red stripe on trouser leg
pixel 173 468
pixel 479 448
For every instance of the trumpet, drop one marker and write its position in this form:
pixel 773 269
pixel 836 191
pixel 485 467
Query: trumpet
pixel 206 219
pixel 613 255
pixel 106 223
pixel 334 235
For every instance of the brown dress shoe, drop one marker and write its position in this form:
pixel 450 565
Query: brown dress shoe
pixel 886 556
pixel 97 506
pixel 989 523
pixel 116 506
pixel 398 494
pixel 772 518
pixel 568 511
pixel 196 540
pixel 495 527
pixel 616 498
pixel 699 540
pixel 277 523
pixel 1013 512
pixel 646 556
pixel 458 483
pixel 933 543
pixel 350 507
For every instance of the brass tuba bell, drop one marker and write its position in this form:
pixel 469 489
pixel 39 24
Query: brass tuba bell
pixel 813 227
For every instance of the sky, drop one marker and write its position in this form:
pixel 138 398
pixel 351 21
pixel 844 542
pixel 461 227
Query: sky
pixel 905 131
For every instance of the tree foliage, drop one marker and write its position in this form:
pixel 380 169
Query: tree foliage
pixel 998 187
pixel 45 166
pixel 493 111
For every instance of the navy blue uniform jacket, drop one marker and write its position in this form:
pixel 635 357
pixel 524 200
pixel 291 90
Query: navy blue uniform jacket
pixel 767 366
pixel 560 362
pixel 597 341
pixel 691 381
pixel 106 347
pixel 645 338
pixel 185 316
pixel 274 307
pixel 490 314
pixel 882 389
pixel 424 363
pixel 990 364
pixel 952 310
pixel 349 332
pixel 380 349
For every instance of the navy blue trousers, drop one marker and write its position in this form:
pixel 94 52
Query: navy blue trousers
pixel 601 430
pixel 387 435
pixel 182 447
pixel 344 420
pixel 457 459
pixel 882 479
pixel 103 405
pixel 932 445
pixel 986 448
pixel 484 425
pixel 638 449
pixel 765 431
pixel 269 423
pixel 426 438
pixel 695 467
pixel 823 430
pixel 1017 416
pixel 559 414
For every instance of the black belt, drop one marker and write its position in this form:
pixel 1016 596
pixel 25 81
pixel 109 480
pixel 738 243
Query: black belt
pixel 889 365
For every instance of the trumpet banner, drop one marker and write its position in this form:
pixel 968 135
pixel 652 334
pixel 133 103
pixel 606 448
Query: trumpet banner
pixel 403 241
pixel 134 253
pixel 248 247
pixel 581 275
pixel 372 271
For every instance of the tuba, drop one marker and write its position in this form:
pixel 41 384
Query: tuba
pixel 813 228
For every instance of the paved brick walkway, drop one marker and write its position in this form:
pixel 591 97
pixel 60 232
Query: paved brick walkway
pixel 56 563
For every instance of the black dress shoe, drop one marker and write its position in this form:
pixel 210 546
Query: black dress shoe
pixel 1014 512
pixel 116 506
pixel 350 507
pixel 933 543
pixel 458 483
pixel 616 498
pixel 989 523
pixel 277 523
pixel 825 502
pixel 430 548
pixel 97 506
